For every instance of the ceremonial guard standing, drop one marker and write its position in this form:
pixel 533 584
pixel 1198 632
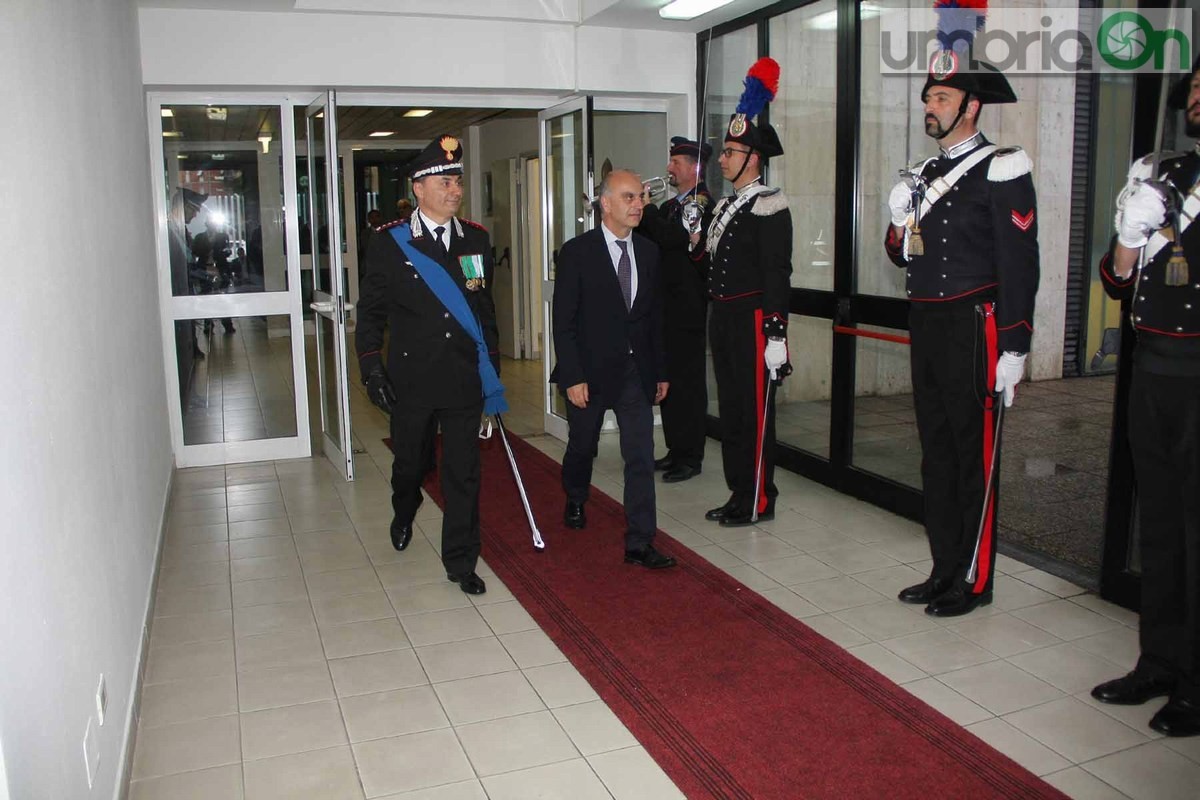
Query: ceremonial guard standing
pixel 964 229
pixel 685 306
pixel 1155 230
pixel 750 246
pixel 427 280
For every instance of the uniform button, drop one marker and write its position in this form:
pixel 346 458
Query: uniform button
pixel 956 188
pixel 1178 329
pixel 908 274
pixel 1141 297
pixel 941 294
pixel 948 204
pixel 944 258
pixel 1137 319
pixel 405 355
pixel 446 315
pixel 447 334
pixel 910 291
pixel 943 241
pixel 945 222
pixel 1187 305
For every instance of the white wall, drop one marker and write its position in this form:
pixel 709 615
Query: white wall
pixel 86 455
pixel 411 52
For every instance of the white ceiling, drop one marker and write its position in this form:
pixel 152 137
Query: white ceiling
pixel 635 14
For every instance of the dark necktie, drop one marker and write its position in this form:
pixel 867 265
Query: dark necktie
pixel 625 274
pixel 437 236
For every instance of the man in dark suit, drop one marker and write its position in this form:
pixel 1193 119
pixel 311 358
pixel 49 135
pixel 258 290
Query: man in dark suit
pixel 609 342
pixel 418 272
pixel 685 306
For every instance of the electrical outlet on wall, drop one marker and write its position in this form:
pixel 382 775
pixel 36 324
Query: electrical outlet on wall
pixel 101 700
pixel 91 753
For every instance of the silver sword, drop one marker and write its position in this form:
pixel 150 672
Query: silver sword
pixel 538 543
pixel 762 454
pixel 973 572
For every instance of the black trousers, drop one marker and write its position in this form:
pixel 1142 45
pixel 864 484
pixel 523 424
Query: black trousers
pixel 635 417
pixel 952 373
pixel 412 453
pixel 737 350
pixel 685 408
pixel 1164 435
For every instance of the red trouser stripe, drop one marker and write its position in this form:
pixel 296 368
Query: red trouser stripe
pixel 987 538
pixel 760 404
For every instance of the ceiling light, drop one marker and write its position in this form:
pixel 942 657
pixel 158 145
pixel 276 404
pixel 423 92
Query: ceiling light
pixel 418 112
pixel 377 134
pixel 181 156
pixel 218 156
pixel 216 113
pixel 265 141
pixel 173 134
pixel 166 112
pixel 690 9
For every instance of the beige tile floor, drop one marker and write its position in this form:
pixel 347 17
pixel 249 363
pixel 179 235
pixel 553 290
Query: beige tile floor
pixel 294 654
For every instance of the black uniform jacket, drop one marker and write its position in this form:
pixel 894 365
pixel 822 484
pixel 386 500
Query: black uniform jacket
pixel 980 242
pixel 685 272
pixel 431 360
pixel 594 334
pixel 751 265
pixel 1167 318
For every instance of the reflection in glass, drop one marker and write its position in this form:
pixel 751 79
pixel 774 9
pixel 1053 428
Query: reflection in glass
pixel 802 402
pixel 327 364
pixel 730 56
pixel 224 190
pixel 567 182
pixel 236 387
pixel 885 426
pixel 805 117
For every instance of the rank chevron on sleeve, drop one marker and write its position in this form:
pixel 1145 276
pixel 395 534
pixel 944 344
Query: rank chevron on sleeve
pixel 1022 221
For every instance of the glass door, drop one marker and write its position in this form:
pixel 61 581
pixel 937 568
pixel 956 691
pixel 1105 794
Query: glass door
pixel 324 235
pixel 568 185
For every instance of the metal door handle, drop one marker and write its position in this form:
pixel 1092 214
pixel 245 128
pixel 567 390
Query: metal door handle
pixel 348 307
pixel 324 308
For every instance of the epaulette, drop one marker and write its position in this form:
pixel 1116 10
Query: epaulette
pixel 1008 163
pixel 473 224
pixel 390 225
pixel 772 201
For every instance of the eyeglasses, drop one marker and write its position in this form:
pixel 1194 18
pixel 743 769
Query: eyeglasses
pixel 729 151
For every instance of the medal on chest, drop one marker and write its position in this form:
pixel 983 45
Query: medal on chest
pixel 472 270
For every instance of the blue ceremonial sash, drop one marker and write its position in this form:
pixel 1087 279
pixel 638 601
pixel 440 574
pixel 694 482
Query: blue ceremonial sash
pixel 446 290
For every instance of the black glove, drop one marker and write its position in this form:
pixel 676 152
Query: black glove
pixel 379 389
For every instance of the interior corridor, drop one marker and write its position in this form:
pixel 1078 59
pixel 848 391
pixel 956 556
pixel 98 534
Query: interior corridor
pixel 295 654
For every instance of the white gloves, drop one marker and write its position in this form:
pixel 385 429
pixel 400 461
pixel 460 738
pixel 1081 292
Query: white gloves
pixel 1140 213
pixel 1010 368
pixel 900 202
pixel 775 356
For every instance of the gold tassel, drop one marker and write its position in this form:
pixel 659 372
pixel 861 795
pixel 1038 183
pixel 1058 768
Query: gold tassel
pixel 1177 267
pixel 916 245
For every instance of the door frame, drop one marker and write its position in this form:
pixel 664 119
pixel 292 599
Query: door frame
pixel 172 308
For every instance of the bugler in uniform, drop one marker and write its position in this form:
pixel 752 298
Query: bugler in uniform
pixel 1164 418
pixel 750 246
pixel 964 229
pixel 427 281
pixel 685 311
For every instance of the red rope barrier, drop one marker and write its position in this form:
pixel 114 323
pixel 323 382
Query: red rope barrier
pixel 887 337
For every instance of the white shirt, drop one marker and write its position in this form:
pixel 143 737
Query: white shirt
pixel 614 252
pixel 430 225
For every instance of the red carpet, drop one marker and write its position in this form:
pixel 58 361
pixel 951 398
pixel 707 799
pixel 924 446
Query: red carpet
pixel 733 697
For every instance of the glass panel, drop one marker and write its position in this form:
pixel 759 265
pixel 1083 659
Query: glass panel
pixel 804 42
pixel 729 58
pixel 890 137
pixel 567 181
pixel 224 190
pixel 635 140
pixel 235 379
pixel 327 367
pixel 317 217
pixel 885 425
pixel 802 402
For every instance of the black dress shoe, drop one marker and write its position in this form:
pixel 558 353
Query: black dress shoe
pixel 401 535
pixel 1133 689
pixel 666 462
pixel 469 582
pixel 1178 717
pixel 649 558
pixel 680 472
pixel 956 601
pixel 739 517
pixel 719 513
pixel 925 593
pixel 574 517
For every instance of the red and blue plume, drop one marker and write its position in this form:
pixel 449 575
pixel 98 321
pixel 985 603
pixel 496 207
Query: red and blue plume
pixel 762 82
pixel 958 22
